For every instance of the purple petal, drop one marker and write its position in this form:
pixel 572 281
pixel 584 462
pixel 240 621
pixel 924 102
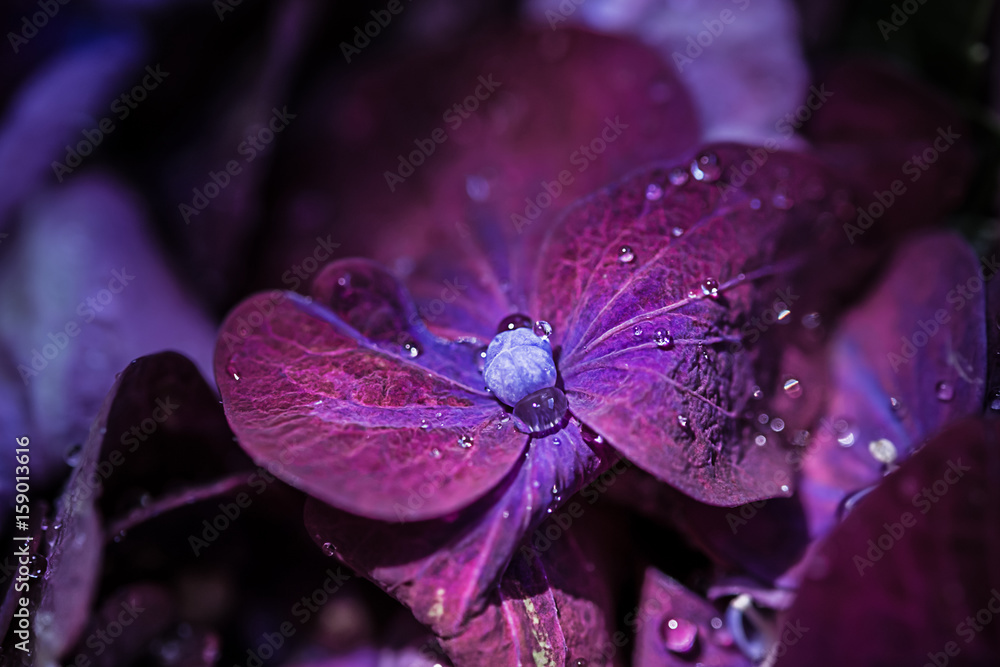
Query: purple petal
pixel 907 361
pixel 444 570
pixel 674 628
pixel 361 423
pixel 911 575
pixel 647 295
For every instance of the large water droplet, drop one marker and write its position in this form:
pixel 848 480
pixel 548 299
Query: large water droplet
pixel 626 255
pixel 518 363
pixel 663 339
pixel 542 329
pixel 749 626
pixel 679 635
pixel 705 168
pixel 792 387
pixel 944 391
pixel 678 176
pixel 542 410
pixel 710 288
pixel 515 321
pixel 653 192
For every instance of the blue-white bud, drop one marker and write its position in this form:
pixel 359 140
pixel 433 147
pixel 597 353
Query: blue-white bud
pixel 518 363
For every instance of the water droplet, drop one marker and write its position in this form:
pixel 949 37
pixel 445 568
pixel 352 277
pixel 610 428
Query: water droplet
pixel 944 391
pixel 541 411
pixel 679 635
pixel 232 370
pixel 851 501
pixel 760 440
pixel 705 168
pixel 663 339
pixel 755 204
pixel 883 450
pixel 435 453
pixel 677 231
pixel 716 623
pixel 465 441
pixel 556 441
pixel 784 488
pixel 73 455
pixel 782 312
pixel 579 662
pixel 749 627
pixel 896 405
pixel 763 418
pixel 777 425
pixel 677 176
pixel 481 358
pixel 506 514
pixel 846 440
pixel 653 192
pixel 515 321
pixel 811 320
pixel 411 348
pixel 637 330
pixel 477 187
pixel 757 392
pixel 995 401
pixel 682 421
pixel 542 329
pixel 792 387
pixel 424 424
pixel 328 548
pixel 710 288
pixel 625 255
pixel 781 201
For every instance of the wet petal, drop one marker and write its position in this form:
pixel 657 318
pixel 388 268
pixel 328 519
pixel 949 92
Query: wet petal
pixel 662 331
pixel 361 417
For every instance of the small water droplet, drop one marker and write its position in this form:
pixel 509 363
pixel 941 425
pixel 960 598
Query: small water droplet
pixel 760 440
pixel 232 370
pixel 579 662
pixel 424 424
pixel 846 440
pixel 435 453
pixel 763 418
pixel 653 192
pixel 465 441
pixel 328 548
pixel 784 488
pixel 626 255
pixel 73 455
pixel 710 288
pixel 637 330
pixel 677 176
pixel 944 391
pixel 677 231
pixel 792 387
pixel 716 623
pixel 782 312
pixel 542 329
pixel 515 321
pixel 883 450
pixel 757 392
pixel 481 358
pixel 705 168
pixel 682 421
pixel 679 635
pixel 556 441
pixel 995 401
pixel 411 348
pixel 506 514
pixel 777 425
pixel 663 339
pixel 755 204
pixel 811 320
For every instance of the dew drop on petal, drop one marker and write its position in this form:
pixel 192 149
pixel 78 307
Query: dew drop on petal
pixel 763 418
pixel 411 349
pixel 755 204
pixel 328 548
pixel 515 321
pixel 465 441
pixel 716 623
pixel 710 288
pixel 846 440
pixel 944 391
pixel 435 453
pixel 626 255
pixel 792 387
pixel 757 392
pixel 663 339
pixel 637 330
pixel 481 358
pixel 682 421
pixel 679 635
pixel 883 450
pixel 677 176
pixel 542 410
pixel 653 192
pixel 777 425
pixel 232 370
pixel 760 440
pixel 995 401
pixel 705 168
pixel 542 329
pixel 677 231
pixel 73 455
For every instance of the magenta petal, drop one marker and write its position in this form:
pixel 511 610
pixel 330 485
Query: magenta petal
pixel 444 570
pixel 907 361
pixel 674 628
pixel 907 574
pixel 647 293
pixel 352 421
